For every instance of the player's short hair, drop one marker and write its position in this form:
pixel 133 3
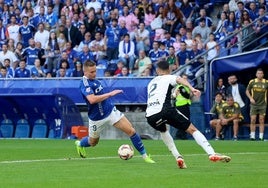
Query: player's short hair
pixel 89 63
pixel 163 65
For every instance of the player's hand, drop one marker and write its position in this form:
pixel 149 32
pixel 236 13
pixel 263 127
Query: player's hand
pixel 115 92
pixel 252 101
pixel 196 92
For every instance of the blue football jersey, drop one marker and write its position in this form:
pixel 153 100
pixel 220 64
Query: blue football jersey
pixel 99 110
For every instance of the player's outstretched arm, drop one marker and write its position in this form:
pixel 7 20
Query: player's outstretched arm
pixel 183 81
pixel 93 99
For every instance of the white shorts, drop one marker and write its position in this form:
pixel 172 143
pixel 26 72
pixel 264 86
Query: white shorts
pixel 95 127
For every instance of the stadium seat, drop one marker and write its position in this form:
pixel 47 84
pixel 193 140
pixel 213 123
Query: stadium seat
pixel 39 129
pixel 7 128
pixel 22 129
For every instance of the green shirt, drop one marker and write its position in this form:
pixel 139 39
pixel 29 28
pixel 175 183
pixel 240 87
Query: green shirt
pixel 183 97
pixel 228 111
pixel 258 91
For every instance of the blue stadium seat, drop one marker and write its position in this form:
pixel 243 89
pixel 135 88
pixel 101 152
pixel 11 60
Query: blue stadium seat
pixel 22 129
pixel 7 128
pixel 39 129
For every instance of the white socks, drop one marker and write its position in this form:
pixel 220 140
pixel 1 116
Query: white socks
pixel 203 142
pixel 168 140
pixel 252 135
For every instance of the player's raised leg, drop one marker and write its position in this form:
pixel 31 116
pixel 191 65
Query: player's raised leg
pixel 124 125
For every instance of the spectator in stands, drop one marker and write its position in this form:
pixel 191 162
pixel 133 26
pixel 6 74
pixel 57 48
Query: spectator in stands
pixel 41 35
pixel 229 115
pixel 187 9
pixel 51 17
pixel 124 73
pixel 101 27
pixel 195 68
pixel 248 35
pixel 130 19
pixel 212 47
pixel 261 26
pixel 12 31
pixel 183 58
pixel 78 71
pixel 11 45
pixel 26 31
pixel 173 18
pixel 203 16
pixel 253 11
pixel 216 110
pixel 220 25
pixel 120 65
pixel 40 5
pixel 96 5
pixel 127 52
pixel 6 54
pixel 189 40
pixel 220 88
pixel 61 41
pixel 3 37
pixel 177 43
pixel 22 71
pixel 154 55
pixel 241 9
pixel 69 54
pixel 198 39
pixel 37 71
pixel 168 40
pixel 163 50
pixel 26 9
pixel 225 9
pixel 208 5
pixel 86 54
pixel 149 16
pixel 61 73
pixel 203 30
pixel 238 91
pixel 40 17
pixel 257 93
pixel 52 53
pixel 142 38
pixel 64 64
pixel 71 33
pixel 9 69
pixel 91 21
pixel 85 41
pixel 143 63
pixel 30 54
pixel 112 39
pixel 172 59
pixel 76 21
pixel 231 25
pixel 97 46
pixel 4 73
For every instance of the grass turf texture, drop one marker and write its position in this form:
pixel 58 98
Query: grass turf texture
pixel 55 163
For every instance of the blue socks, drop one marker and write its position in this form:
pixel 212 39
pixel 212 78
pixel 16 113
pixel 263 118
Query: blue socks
pixel 136 141
pixel 84 142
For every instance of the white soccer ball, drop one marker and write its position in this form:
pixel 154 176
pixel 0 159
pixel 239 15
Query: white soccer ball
pixel 125 152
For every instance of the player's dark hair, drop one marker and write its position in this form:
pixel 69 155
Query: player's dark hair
pixel 163 65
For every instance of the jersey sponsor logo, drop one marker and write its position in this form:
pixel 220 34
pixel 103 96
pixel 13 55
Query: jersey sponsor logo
pixel 155 103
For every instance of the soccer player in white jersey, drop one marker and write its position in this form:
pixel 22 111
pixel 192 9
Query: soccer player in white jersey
pixel 160 112
pixel 102 113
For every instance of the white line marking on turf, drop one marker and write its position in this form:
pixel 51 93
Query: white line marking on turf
pixel 112 157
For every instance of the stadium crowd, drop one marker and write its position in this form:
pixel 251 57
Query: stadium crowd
pixel 53 38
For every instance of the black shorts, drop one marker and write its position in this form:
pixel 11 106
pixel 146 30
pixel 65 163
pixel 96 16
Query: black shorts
pixel 172 116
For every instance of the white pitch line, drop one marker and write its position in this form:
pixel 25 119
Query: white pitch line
pixel 113 157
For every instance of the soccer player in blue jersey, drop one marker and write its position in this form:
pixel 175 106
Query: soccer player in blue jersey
pixel 102 113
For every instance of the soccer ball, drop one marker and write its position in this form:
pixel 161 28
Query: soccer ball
pixel 125 152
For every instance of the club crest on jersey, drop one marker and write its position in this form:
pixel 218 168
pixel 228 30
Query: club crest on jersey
pixel 88 90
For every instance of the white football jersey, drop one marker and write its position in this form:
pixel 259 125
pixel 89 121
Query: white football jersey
pixel 159 93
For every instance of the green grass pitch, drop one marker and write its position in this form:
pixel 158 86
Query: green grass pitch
pixel 55 163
